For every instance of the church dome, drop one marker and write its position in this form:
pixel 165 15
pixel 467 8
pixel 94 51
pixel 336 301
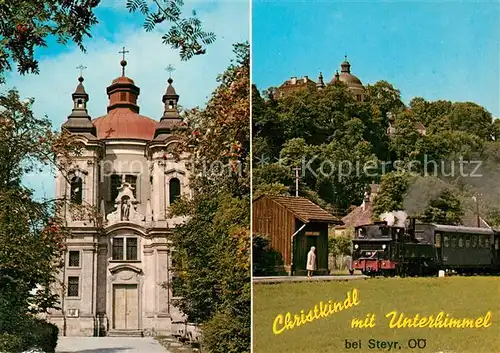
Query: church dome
pixel 346 77
pixel 123 123
pixel 123 120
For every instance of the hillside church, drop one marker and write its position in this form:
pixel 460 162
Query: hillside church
pixel 112 273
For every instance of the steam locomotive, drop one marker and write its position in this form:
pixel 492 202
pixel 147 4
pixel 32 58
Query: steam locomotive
pixel 424 249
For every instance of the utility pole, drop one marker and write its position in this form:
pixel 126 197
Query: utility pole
pixel 477 210
pixel 297 178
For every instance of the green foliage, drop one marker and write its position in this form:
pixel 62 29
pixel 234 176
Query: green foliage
pixel 342 145
pixel 226 332
pixel 428 199
pixel 32 235
pixel 29 333
pixel 26 24
pixel 445 209
pixel 213 246
pixel 266 260
pixel 339 246
pixel 184 34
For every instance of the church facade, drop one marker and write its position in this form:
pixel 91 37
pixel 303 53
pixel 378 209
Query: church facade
pixel 118 268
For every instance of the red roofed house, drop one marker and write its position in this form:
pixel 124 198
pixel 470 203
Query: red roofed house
pixel 294 224
pixel 360 215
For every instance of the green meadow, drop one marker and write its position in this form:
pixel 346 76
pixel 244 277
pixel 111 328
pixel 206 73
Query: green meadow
pixel 459 297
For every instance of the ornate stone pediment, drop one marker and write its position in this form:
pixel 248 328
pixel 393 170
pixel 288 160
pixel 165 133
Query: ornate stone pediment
pixel 125 267
pixel 125 206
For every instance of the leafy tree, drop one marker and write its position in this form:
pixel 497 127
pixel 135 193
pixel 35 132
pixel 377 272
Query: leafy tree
pixel 385 97
pixel 32 235
pixel 25 25
pixel 445 209
pixel 214 244
pixel 393 187
pixel 428 199
pixel 184 34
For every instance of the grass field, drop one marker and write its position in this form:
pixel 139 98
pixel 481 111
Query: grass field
pixel 460 297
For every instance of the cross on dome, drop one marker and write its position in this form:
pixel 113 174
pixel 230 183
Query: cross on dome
pixel 81 68
pixel 170 69
pixel 123 63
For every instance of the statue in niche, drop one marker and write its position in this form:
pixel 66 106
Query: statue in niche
pixel 125 205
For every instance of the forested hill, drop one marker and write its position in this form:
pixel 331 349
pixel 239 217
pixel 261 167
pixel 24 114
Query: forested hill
pixel 342 145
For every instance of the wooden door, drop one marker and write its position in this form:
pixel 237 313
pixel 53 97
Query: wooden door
pixel 125 307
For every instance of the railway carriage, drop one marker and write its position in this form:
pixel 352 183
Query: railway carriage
pixel 424 249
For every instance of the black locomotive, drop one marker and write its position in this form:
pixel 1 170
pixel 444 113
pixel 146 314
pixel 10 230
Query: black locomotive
pixel 424 249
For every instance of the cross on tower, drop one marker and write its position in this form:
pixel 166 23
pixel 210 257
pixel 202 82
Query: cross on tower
pixel 123 63
pixel 123 52
pixel 170 69
pixel 81 68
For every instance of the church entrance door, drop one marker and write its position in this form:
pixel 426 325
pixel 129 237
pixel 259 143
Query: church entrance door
pixel 125 307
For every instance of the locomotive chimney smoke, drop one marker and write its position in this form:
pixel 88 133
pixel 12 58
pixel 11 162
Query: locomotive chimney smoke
pixel 421 192
pixel 388 217
pixel 394 218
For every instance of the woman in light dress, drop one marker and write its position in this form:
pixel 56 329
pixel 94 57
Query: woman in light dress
pixel 311 262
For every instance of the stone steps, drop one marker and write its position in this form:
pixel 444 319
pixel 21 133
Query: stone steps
pixel 125 333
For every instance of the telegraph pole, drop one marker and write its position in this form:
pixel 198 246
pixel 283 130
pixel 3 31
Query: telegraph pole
pixel 297 178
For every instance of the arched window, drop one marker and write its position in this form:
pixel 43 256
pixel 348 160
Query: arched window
pixel 76 190
pixel 175 189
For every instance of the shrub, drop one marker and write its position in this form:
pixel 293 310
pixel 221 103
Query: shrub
pixel 266 260
pixel 41 334
pixel 31 333
pixel 226 333
pixel 12 343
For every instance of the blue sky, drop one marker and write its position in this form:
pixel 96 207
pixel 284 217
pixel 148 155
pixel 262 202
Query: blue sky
pixel 432 49
pixel 194 80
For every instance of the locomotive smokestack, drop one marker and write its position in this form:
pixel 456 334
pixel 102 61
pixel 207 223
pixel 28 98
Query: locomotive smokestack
pixel 394 218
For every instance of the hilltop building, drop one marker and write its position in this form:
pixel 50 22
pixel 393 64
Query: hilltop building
pixel 345 76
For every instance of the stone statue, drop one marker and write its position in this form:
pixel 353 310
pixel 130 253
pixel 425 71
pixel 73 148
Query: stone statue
pixel 126 204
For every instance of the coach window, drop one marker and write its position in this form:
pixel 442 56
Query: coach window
pixel 453 241
pixel 480 242
pixel 446 241
pixel 467 241
pixel 461 241
pixel 497 243
pixel 473 241
pixel 487 242
pixel 438 240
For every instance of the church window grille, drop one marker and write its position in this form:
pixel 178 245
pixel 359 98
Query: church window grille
pixel 118 249
pixel 74 259
pixel 132 180
pixel 116 182
pixel 131 249
pixel 175 189
pixel 73 284
pixel 125 249
pixel 76 190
